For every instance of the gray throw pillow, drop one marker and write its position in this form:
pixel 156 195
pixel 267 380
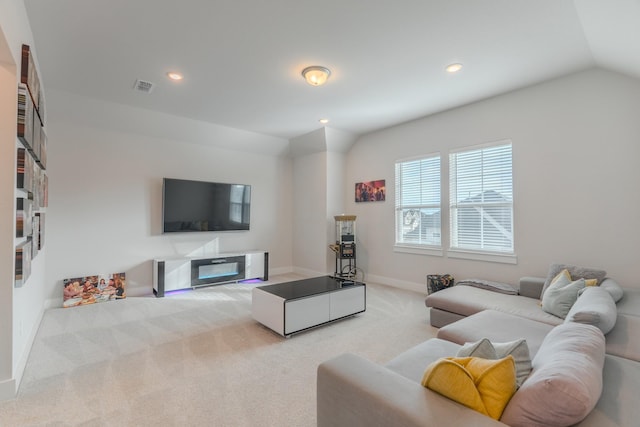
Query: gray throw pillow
pixel 561 295
pixel 575 272
pixel 596 307
pixel 566 381
pixel 485 349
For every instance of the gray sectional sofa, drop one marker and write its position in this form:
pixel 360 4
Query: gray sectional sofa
pixel 583 374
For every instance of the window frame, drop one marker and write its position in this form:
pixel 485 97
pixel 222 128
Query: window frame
pixel 400 245
pixel 457 250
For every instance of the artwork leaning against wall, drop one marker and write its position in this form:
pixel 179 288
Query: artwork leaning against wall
pixel 93 289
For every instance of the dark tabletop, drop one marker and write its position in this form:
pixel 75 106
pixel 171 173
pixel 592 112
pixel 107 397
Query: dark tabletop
pixel 308 287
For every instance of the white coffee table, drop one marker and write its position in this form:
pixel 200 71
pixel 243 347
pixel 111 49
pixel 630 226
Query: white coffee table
pixel 292 307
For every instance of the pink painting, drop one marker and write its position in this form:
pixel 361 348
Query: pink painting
pixel 371 191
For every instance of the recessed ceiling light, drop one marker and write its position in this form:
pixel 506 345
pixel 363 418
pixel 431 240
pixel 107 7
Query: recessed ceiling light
pixel 324 121
pixel 175 76
pixel 453 68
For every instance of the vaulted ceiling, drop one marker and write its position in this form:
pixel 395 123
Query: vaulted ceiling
pixel 242 59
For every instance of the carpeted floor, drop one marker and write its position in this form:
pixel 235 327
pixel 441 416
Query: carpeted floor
pixel 196 358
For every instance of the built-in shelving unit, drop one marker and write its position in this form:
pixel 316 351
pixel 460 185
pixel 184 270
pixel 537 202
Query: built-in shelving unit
pixel 31 164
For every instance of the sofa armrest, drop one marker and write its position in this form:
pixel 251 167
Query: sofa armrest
pixel 353 391
pixel 531 287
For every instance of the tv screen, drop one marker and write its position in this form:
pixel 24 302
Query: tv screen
pixel 204 206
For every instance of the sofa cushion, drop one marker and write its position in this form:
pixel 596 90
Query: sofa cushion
pixel 488 350
pixel 439 318
pixel 596 307
pixel 575 272
pixel 531 286
pixel 630 302
pixel 561 294
pixel 480 384
pixel 497 327
pixel 410 364
pixel 467 300
pixel 354 391
pixel 618 405
pixel 566 381
pixel 624 339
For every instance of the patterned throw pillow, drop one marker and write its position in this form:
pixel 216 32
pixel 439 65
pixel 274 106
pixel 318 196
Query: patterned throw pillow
pixel 438 282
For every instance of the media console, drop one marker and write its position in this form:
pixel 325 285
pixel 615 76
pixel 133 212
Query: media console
pixel 172 274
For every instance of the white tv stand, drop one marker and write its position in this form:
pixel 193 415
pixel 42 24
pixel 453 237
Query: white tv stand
pixel 172 274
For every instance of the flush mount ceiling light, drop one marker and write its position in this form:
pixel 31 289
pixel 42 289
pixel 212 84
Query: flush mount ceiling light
pixel 175 76
pixel 324 121
pixel 316 75
pixel 453 68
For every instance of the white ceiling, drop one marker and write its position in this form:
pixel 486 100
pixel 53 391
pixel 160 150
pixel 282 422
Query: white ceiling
pixel 242 58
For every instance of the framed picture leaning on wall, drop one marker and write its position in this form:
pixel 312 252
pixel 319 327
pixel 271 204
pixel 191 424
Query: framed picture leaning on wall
pixel 93 289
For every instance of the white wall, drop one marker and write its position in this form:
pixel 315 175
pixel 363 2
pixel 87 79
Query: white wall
pixel 310 213
pixel 7 230
pixel 336 186
pixel 575 160
pixel 319 185
pixel 21 308
pixel 105 195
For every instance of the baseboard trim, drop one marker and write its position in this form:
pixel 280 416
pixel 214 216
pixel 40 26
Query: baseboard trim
pixel 307 272
pixel 24 357
pixel 53 303
pixel 280 270
pixel 401 284
pixel 8 389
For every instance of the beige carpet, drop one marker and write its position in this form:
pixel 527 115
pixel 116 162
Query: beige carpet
pixel 196 358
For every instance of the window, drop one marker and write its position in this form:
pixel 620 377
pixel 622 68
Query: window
pixel 418 202
pixel 481 199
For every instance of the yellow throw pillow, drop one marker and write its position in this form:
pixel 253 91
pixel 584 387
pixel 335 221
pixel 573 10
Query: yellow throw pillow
pixel 565 273
pixel 591 282
pixel 480 384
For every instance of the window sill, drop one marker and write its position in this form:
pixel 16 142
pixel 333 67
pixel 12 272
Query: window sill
pixel 483 256
pixel 419 250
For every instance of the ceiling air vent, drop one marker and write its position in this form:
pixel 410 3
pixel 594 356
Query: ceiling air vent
pixel 143 86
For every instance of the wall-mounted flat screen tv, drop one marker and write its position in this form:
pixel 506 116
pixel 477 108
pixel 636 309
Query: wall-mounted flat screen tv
pixel 204 206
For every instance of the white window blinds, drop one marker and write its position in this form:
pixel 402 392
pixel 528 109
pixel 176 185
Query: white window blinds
pixel 418 202
pixel 481 199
